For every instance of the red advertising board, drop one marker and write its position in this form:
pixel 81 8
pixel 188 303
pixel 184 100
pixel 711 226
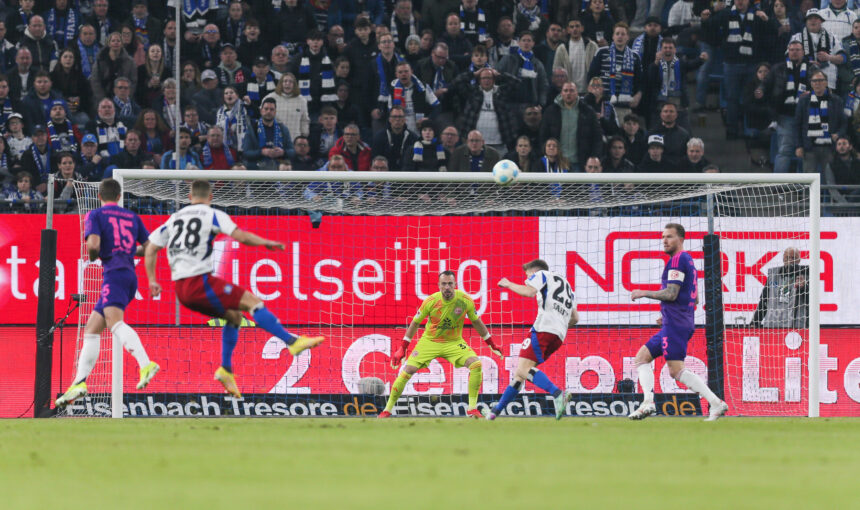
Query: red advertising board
pixel 761 381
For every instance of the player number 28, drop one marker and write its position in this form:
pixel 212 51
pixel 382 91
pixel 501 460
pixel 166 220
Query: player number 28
pixel 192 233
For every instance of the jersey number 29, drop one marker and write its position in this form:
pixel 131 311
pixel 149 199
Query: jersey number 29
pixel 563 288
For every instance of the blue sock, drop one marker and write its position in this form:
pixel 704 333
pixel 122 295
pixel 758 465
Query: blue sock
pixel 540 380
pixel 509 394
pixel 266 320
pixel 229 338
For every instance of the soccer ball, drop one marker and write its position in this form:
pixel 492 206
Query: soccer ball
pixel 505 172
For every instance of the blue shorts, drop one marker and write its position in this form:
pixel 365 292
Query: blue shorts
pixel 670 344
pixel 118 289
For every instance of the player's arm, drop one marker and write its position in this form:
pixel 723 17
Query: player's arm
pixel 482 330
pixel 141 249
pixel 251 239
pixel 400 352
pixel 574 317
pixel 670 293
pixel 94 244
pixel 522 290
pixel 150 257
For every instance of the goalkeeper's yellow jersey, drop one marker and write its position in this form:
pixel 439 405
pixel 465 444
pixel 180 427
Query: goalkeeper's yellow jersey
pixel 445 323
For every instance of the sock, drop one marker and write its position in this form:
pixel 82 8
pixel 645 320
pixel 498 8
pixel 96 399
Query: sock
pixel 397 389
pixel 540 380
pixel 509 394
pixel 646 379
pixel 476 377
pixel 695 383
pixel 88 357
pixel 229 338
pixel 129 339
pixel 267 320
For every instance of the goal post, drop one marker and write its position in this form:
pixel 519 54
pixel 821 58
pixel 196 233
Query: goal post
pixel 358 276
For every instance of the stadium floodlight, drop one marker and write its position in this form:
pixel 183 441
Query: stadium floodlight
pixel 363 249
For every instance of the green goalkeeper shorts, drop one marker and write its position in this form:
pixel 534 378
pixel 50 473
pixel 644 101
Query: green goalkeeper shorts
pixel 426 351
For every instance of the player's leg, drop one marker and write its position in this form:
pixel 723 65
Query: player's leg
pixel 476 377
pixel 267 320
pixel 517 382
pixel 130 340
pixel 229 339
pixel 653 348
pixel 86 359
pixel 398 386
pixel 679 372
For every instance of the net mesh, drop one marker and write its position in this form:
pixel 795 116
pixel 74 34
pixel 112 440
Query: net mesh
pixel 360 257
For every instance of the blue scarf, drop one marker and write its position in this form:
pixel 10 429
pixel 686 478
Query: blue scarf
pixel 397 99
pixel 745 40
pixel 277 136
pixel 384 88
pixel 418 151
pixel 43 168
pixel 626 77
pixel 140 29
pixel 553 168
pixel 326 72
pixel 57 143
pixel 86 63
pixel 472 70
pixel 852 47
pixel 639 44
pixel 254 87
pixel 439 80
pixel 125 109
pixel 62 35
pixel 672 86
pixel 528 69
pixel 480 26
pixel 5 111
pixel 190 7
pixel 819 120
pixel 237 33
pixel 475 162
pixel 207 156
pixel 793 89
pixel 532 14
pixel 112 146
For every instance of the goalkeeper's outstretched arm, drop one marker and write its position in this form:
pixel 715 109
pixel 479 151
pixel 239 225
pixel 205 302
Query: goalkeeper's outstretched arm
pixel 251 239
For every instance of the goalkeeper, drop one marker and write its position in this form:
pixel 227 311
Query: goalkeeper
pixel 442 338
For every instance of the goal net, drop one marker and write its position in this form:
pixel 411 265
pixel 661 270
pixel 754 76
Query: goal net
pixel 363 251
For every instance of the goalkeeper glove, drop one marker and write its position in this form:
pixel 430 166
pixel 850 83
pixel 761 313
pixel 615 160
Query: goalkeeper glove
pixel 399 354
pixel 493 347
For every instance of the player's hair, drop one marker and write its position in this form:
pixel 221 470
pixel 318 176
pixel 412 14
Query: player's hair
pixel 447 272
pixel 679 229
pixel 110 190
pixel 538 264
pixel 201 189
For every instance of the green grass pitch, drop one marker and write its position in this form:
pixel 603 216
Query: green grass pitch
pixel 409 463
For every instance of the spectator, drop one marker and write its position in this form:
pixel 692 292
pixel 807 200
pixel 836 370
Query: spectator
pixel 22 76
pixel 403 24
pixel 356 153
pixel 64 183
pixel 16 19
pixel 198 128
pixel 7 107
pixel 102 22
pixel 373 191
pixel 155 133
pixel 233 27
pixel 545 51
pixel 674 137
pixel 260 85
pixel 132 155
pixel 489 110
pixel 42 47
pixel 621 71
pixel 62 134
pixel 109 131
pixel 280 61
pixel 450 138
pixel 295 22
pixel 36 161
pixel 188 159
pixel 215 155
pixel 25 193
pixel 653 161
pixel 558 78
pixel 233 118
pixel 606 114
pixel 342 70
pixel 148 28
pixel 132 45
pixel 648 44
pixel 821 47
pixel 18 142
pixel 459 47
pixel 740 31
pixel 347 112
pixel 36 105
pixel 66 80
pixel 210 48
pixel 837 19
pixel 165 104
pixel 230 71
pixel 291 107
pixel 426 154
pixel 112 62
pixel 269 142
pixel 784 301
pixel 251 46
pixel 787 25
pixel 554 160
pixel 92 165
pixel 316 75
pixel 473 22
pixel 127 110
pixel 168 45
pixel 527 16
pixel 820 121
pixel 616 161
pixel 504 43
pixel 530 125
pixel 532 85
pixel 361 52
pixel 335 43
pixel 758 115
pixel 784 85
pixel 666 81
pixel 634 138
pixel 302 160
pixel 475 156
pixel 574 125
pixel 576 55
pixel 385 66
pixel 150 76
pixel 438 72
pixel 695 161
pixel 524 155
pixel 597 24
pixel 190 82
pixel 851 46
pixel 417 99
pixel 324 134
pixel 434 15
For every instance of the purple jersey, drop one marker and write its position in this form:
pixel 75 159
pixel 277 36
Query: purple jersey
pixel 120 231
pixel 679 315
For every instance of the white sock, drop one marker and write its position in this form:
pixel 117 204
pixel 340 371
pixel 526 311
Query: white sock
pixel 695 383
pixel 129 339
pixel 646 380
pixel 88 356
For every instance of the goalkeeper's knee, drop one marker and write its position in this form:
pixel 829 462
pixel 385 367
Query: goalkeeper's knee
pixel 475 366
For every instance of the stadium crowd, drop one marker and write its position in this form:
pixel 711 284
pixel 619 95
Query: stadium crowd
pixel 420 85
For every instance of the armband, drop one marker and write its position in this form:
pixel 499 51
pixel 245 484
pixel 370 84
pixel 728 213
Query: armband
pixel 407 339
pixel 487 337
